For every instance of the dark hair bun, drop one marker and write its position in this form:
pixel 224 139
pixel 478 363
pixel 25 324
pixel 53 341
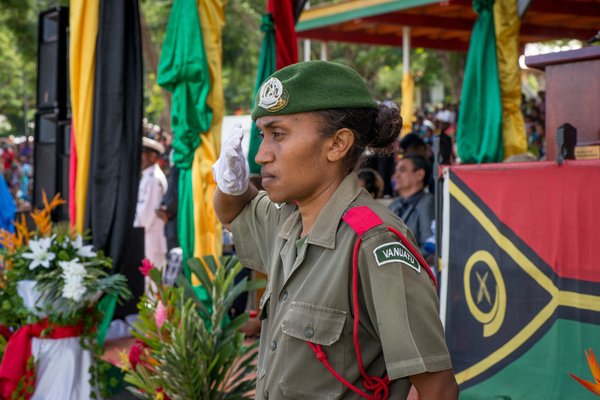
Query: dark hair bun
pixel 388 125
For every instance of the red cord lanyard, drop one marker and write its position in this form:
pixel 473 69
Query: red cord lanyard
pixel 371 383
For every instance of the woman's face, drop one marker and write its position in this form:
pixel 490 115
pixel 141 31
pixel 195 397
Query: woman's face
pixel 293 157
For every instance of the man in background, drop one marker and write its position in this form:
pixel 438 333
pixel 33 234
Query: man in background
pixel 414 205
pixel 153 186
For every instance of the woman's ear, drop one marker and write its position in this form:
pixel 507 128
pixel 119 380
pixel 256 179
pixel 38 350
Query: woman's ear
pixel 341 142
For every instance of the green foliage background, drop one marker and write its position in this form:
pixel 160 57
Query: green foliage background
pixel 381 66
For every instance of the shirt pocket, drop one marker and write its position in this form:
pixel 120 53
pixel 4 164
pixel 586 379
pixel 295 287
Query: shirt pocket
pixel 303 375
pixel 264 303
pixel 262 315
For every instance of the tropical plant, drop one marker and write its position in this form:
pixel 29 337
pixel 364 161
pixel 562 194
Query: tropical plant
pixel 188 348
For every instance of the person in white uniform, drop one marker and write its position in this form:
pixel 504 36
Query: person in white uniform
pixel 153 185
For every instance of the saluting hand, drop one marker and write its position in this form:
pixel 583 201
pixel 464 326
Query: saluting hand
pixel 231 171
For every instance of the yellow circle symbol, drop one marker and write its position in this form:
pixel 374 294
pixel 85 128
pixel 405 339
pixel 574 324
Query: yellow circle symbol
pixel 493 319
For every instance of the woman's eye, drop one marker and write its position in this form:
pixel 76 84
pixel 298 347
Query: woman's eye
pixel 261 135
pixel 277 134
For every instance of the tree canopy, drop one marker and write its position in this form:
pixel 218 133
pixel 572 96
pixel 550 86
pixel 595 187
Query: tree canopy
pixel 381 66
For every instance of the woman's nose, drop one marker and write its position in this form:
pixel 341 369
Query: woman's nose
pixel 263 155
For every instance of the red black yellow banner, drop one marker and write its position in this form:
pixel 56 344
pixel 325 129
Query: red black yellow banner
pixel 522 294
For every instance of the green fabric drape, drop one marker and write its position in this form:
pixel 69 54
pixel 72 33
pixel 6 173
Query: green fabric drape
pixel 479 133
pixel 107 305
pixel 183 70
pixel 266 66
pixel 185 220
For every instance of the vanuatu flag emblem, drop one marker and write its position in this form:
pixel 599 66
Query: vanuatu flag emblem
pixel 521 283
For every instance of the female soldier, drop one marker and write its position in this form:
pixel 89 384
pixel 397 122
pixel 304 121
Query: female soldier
pixel 337 322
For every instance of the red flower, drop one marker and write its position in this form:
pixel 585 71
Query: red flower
pixel 134 355
pixel 146 267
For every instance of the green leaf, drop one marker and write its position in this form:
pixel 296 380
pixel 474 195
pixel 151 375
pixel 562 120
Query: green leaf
pixel 156 276
pixel 211 263
pixel 256 284
pixel 233 327
pixel 197 268
pixel 64 256
pixel 190 293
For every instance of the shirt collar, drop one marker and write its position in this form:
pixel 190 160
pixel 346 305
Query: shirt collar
pixel 324 230
pixel 149 170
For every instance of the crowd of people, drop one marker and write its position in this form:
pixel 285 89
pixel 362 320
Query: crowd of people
pixel 16 167
pixel 406 181
pixel 534 113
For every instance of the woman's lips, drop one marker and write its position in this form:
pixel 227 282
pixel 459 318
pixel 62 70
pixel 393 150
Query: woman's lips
pixel 266 178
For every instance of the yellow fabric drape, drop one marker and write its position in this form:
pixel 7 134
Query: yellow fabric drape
pixel 83 23
pixel 507 24
pixel 408 99
pixel 207 228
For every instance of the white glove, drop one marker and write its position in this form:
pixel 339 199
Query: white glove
pixel 231 171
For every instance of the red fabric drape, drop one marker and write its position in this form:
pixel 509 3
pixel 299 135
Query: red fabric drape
pixel 18 352
pixel 286 42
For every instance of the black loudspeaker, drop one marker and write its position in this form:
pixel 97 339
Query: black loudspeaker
pixel 132 261
pixel 52 82
pixel 51 161
pixel 44 172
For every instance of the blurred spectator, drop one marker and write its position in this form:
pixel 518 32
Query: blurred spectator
pixel 414 205
pixel 168 208
pixel 413 144
pixel 7 208
pixel 153 186
pixel 370 179
pixel 8 159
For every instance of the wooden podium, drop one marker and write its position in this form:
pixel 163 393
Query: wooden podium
pixel 572 94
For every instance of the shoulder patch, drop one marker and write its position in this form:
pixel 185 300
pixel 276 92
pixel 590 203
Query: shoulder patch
pixel 395 252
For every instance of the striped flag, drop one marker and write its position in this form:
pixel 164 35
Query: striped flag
pixel 521 289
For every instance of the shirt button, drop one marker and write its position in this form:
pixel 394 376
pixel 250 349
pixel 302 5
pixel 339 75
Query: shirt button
pixel 309 332
pixel 266 395
pixel 273 345
pixel 285 296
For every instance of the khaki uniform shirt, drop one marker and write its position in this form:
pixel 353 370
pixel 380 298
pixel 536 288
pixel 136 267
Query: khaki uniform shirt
pixel 309 298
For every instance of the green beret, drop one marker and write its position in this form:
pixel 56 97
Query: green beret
pixel 311 86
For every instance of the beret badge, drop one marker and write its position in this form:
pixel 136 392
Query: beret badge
pixel 273 96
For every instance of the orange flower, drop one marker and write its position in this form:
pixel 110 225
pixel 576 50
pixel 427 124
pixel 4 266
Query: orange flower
pixel 593 387
pixel 42 217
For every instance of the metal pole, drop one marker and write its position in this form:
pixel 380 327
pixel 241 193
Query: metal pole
pixel 324 55
pixel 307 41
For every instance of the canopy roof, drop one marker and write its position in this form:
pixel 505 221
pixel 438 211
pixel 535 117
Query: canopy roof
pixel 442 25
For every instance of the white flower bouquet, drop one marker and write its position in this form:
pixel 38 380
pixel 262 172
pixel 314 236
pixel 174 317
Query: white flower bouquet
pixel 51 283
pixel 70 276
